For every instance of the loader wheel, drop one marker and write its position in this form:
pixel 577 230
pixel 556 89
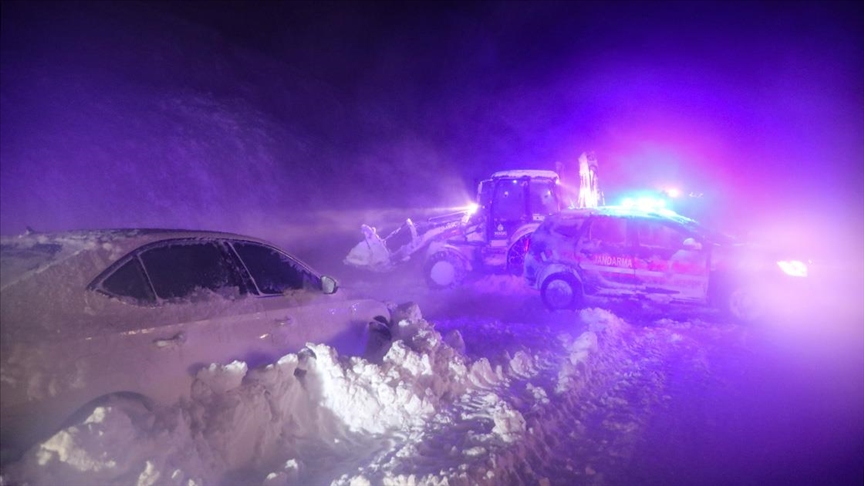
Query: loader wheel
pixel 561 291
pixel 516 255
pixel 444 270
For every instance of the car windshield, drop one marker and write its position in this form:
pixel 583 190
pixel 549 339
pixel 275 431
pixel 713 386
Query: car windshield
pixel 18 259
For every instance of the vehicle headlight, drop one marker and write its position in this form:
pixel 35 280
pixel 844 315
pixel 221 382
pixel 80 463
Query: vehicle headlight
pixel 793 268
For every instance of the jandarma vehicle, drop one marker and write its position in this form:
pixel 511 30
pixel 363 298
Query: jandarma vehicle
pixel 625 252
pixel 95 315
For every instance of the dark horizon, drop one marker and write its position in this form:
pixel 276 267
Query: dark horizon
pixel 195 112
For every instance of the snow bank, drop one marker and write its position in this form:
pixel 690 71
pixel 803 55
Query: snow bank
pixel 424 414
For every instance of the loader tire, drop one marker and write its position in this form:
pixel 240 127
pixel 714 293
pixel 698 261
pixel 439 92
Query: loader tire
pixel 445 269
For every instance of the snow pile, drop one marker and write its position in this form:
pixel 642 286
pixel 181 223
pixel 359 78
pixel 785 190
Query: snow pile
pixel 513 415
pixel 425 413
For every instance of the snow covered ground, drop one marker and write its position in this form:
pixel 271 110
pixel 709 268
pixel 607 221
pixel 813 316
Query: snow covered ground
pixel 483 386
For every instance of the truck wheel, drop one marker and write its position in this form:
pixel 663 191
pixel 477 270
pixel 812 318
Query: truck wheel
pixel 444 270
pixel 561 291
pixel 516 255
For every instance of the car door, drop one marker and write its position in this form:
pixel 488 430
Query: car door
pixel 177 306
pixel 669 260
pixel 301 312
pixel 606 255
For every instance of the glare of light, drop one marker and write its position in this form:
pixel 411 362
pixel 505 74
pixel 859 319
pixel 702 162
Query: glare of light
pixel 673 192
pixel 645 203
pixel 468 208
pixel 793 268
pixel 667 212
pixel 650 203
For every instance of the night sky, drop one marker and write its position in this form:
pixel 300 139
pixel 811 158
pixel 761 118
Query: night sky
pixel 226 114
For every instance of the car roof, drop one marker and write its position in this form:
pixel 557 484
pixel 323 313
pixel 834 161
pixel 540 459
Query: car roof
pixel 33 252
pixel 621 211
pixel 121 233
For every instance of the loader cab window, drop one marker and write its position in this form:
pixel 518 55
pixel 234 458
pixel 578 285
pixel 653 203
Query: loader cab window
pixel 508 203
pixel 484 193
pixel 542 197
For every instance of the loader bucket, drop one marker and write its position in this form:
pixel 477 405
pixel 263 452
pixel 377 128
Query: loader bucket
pixel 371 253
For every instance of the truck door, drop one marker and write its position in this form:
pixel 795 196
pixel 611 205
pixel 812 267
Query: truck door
pixel 606 255
pixel 665 265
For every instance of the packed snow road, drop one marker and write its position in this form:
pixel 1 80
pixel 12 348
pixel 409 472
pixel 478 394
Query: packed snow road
pixel 682 396
pixel 483 386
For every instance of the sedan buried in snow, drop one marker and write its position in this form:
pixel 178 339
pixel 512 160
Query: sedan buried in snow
pixel 90 316
pixel 626 252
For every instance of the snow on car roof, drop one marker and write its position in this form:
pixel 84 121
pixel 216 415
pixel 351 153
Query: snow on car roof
pixel 661 214
pixel 626 211
pixel 551 174
pixel 31 253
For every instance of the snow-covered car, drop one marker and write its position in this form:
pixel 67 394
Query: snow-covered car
pixel 655 254
pixel 88 316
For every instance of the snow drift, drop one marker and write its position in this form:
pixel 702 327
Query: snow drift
pixel 424 413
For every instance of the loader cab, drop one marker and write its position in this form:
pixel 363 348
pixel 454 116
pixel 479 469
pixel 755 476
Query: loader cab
pixel 512 199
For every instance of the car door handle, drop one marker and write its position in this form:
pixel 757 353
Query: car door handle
pixel 285 321
pixel 176 340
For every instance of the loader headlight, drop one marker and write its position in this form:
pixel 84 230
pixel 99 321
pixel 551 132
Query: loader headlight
pixel 793 268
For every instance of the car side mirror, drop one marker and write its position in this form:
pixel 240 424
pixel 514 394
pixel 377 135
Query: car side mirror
pixel 329 285
pixel 692 244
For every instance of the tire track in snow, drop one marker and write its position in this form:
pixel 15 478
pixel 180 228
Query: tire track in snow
pixel 569 413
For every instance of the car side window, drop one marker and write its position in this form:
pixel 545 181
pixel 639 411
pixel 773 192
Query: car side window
pixel 608 231
pixel 571 228
pixel 129 281
pixel 272 271
pixel 179 269
pixel 655 234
